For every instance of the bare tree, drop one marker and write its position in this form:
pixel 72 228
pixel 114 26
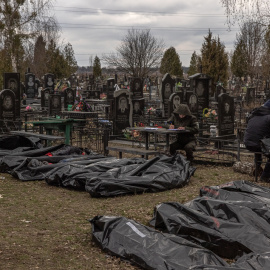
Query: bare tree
pixel 251 39
pixel 242 10
pixel 138 52
pixel 21 23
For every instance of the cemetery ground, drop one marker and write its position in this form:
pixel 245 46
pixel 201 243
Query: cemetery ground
pixel 46 227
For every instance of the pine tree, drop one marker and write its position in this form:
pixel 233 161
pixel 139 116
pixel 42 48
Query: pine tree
pixel 214 59
pixel 239 60
pixel 71 63
pixel 170 63
pixel 97 68
pixel 194 63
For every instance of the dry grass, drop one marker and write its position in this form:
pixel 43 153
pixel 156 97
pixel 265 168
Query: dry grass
pixel 45 227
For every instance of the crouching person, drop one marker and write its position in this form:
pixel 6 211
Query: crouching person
pixel 182 119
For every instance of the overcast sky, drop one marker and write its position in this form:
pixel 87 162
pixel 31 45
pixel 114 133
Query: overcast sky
pixel 97 27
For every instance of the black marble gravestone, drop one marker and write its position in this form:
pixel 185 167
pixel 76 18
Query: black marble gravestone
pixel 37 86
pixel 30 85
pixel 121 111
pixel 136 87
pixel 7 107
pixel 12 82
pixel 192 102
pixel 69 97
pixel 174 101
pixel 45 98
pixel 110 88
pixel 138 110
pixel 49 82
pixel 225 115
pixel 166 90
pixel 55 104
pixel 200 85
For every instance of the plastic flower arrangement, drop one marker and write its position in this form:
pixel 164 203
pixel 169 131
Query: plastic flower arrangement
pixel 28 108
pixel 210 114
pixel 151 110
pixel 81 106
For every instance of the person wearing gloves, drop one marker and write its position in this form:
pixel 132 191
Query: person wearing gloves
pixel 258 127
pixel 182 119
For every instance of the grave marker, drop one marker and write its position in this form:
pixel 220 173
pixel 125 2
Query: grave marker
pixel 136 87
pixel 30 85
pixel 55 104
pixel 49 82
pixel 122 116
pixel 225 115
pixel 45 98
pixel 174 101
pixel 167 89
pixel 8 106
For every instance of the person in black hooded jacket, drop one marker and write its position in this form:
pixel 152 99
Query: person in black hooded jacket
pixel 182 119
pixel 258 127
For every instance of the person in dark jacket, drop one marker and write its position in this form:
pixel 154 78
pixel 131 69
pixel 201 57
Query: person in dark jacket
pixel 182 119
pixel 258 127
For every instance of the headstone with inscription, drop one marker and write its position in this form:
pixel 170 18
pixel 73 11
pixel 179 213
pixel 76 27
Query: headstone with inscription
pixel 45 98
pixel 69 97
pixel 12 82
pixel 122 114
pixel 30 85
pixel 37 86
pixel 225 115
pixel 7 107
pixel 136 88
pixel 200 85
pixel 49 82
pixel 174 101
pixel 55 104
pixel 110 88
pixel 167 89
pixel 138 110
pixel 192 102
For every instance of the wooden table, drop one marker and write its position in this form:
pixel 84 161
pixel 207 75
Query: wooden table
pixel 63 125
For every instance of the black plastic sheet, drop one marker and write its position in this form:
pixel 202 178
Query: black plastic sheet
pixel 238 191
pixel 148 248
pixel 11 142
pixel 158 174
pixel 223 237
pixel 254 261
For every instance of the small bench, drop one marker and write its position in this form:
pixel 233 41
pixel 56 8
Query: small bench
pixel 44 137
pixel 131 150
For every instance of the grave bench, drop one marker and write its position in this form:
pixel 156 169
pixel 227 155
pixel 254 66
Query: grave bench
pixel 42 137
pixel 136 151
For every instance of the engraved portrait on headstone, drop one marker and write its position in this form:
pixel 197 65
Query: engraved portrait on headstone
pixel 7 102
pixel 167 91
pixel 49 81
pixel 137 108
pixel 193 103
pixel 200 89
pixel 176 102
pixel 136 88
pixel 7 105
pixel 225 115
pixel 30 85
pixel 122 105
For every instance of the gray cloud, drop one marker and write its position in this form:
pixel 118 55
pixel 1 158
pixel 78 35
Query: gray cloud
pixel 97 27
